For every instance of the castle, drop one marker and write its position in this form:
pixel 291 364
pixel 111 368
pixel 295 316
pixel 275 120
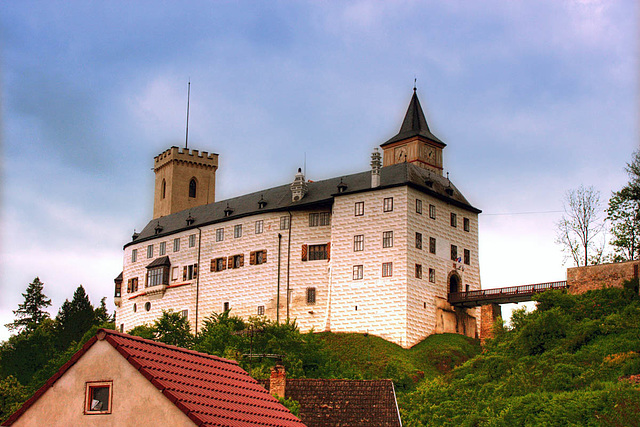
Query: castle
pixel 376 251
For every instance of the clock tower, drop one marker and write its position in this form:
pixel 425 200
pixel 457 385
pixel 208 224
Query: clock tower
pixel 414 143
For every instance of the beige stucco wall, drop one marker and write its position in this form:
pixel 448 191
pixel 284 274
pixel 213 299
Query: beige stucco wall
pixel 135 400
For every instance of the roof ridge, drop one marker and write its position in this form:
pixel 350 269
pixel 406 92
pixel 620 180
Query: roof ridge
pixel 169 346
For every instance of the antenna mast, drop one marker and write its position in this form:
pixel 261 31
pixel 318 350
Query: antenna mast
pixel 186 140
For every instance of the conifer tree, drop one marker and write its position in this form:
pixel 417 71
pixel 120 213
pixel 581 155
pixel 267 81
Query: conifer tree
pixel 74 318
pixel 31 312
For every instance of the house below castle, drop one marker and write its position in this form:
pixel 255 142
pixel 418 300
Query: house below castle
pixel 374 251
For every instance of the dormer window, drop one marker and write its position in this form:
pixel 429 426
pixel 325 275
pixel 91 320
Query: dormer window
pixel 228 211
pixel 261 203
pixel 192 188
pixel 158 228
pixel 342 187
pixel 190 220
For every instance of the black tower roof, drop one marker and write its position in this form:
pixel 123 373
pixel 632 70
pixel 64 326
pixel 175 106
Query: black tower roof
pixel 414 124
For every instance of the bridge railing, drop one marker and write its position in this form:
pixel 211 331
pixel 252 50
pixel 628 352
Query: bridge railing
pixel 489 294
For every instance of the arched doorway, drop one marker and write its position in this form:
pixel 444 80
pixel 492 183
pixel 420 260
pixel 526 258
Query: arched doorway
pixel 454 283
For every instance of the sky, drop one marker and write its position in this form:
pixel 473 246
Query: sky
pixel 532 98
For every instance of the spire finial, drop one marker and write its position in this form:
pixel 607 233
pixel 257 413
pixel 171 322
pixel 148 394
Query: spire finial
pixel 415 84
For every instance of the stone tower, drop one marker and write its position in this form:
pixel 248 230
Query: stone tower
pixel 184 179
pixel 414 143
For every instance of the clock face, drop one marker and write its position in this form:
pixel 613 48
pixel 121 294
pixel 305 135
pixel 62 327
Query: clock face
pixel 401 154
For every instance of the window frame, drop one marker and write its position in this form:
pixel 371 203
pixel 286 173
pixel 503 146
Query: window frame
pixel 387 269
pixel 418 271
pixel 358 272
pixel 237 231
pixel 92 385
pixel 318 252
pixel 319 219
pixel 259 226
pixel 220 234
pixel 419 206
pixel 454 220
pixel 387 239
pixel 454 253
pixel 432 211
pixel 149 251
pixel 358 209
pixel 466 224
pixel 163 249
pixel 467 256
pixel 432 245
pixel 285 222
pixel 134 255
pixel 192 240
pixel 311 296
pixel 432 275
pixel 260 310
pixel 418 240
pixel 358 243
pixel 387 204
pixel 176 244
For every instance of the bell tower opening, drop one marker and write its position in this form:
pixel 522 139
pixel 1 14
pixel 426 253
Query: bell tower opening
pixel 184 179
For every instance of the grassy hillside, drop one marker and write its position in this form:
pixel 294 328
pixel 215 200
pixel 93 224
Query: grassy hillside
pixel 570 362
pixel 370 357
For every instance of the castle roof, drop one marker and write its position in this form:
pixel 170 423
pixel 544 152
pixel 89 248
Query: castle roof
pixel 210 390
pixel 414 124
pixel 320 193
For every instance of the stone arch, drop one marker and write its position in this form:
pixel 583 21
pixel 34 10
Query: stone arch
pixel 193 186
pixel 454 282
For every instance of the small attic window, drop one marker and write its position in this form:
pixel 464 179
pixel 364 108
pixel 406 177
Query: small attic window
pixel 190 220
pixel 158 228
pixel 228 211
pixel 428 182
pixel 262 203
pixel 98 397
pixel 449 191
pixel 342 187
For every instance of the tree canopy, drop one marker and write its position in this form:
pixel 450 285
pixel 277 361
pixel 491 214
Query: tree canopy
pixel 31 312
pixel 624 214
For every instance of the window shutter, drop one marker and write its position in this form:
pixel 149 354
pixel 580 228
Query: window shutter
pixel 230 262
pixel 146 279
pixel 304 252
pixel 242 260
pixel 224 265
pixel 252 258
pixel 195 270
pixel 129 285
pixel 264 256
pixel 328 251
pixel 184 273
pixel 213 265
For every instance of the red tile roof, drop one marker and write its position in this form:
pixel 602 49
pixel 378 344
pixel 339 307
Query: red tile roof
pixel 354 403
pixel 210 390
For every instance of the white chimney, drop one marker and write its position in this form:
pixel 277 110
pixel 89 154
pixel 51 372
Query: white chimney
pixel 376 163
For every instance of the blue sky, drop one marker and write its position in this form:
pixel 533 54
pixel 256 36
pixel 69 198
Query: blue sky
pixel 532 99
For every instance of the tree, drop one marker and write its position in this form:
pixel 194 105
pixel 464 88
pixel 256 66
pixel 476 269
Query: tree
pixel 580 225
pixel 74 318
pixel 173 328
pixel 624 214
pixel 31 312
pixel 102 314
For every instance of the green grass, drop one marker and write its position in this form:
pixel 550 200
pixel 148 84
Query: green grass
pixel 371 357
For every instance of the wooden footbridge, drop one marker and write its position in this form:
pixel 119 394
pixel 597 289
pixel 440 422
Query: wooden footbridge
pixel 502 295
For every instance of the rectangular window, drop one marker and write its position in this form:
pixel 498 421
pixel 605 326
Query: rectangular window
pixel 157 276
pixel 465 224
pixel 358 209
pixel 284 222
pixel 218 264
pixel 432 211
pixel 387 269
pixel 418 271
pixel 319 219
pixel 311 295
pixel 98 397
pixel 419 206
pixel 387 204
pixel 454 220
pixel 454 253
pixel 185 314
pixel 219 234
pixel 432 245
pixel 257 257
pixel 237 231
pixel 134 255
pixel 358 243
pixel 225 306
pixel 150 251
pixel 176 244
pixel 432 275
pixel 174 273
pixel 163 248
pixel 467 256
pixel 192 240
pixel 358 271
pixel 261 310
pixel 387 239
pixel 190 272
pixel 235 261
pixel 259 226
pixel 418 240
pixel 132 285
pixel 317 252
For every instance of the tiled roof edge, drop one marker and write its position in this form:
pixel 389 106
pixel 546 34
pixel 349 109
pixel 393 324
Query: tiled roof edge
pixel 64 368
pixel 395 401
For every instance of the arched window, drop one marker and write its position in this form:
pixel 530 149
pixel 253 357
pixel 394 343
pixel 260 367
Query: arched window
pixel 192 188
pixel 164 188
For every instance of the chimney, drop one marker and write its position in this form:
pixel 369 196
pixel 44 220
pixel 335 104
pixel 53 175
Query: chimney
pixel 298 187
pixel 278 380
pixel 375 168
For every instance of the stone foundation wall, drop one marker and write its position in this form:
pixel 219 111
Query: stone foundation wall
pixel 488 315
pixel 583 279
